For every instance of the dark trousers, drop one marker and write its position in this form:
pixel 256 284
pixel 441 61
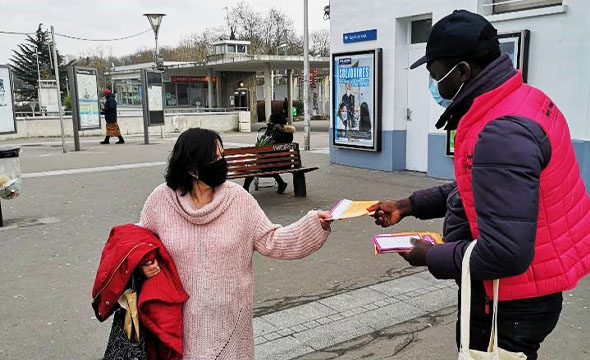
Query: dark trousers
pixel 249 180
pixel 522 324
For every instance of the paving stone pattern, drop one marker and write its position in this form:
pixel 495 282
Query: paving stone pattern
pixel 303 329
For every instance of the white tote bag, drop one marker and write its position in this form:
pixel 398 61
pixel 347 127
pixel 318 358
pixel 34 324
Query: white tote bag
pixel 494 352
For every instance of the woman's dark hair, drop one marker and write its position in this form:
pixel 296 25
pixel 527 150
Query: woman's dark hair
pixel 194 148
pixel 277 118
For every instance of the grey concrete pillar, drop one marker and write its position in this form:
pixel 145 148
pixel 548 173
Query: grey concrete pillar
pixel 218 90
pixel 290 95
pixel 267 92
pixel 210 89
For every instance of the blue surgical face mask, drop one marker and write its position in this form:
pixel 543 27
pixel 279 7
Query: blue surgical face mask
pixel 433 87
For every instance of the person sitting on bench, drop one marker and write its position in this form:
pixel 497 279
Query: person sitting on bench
pixel 281 133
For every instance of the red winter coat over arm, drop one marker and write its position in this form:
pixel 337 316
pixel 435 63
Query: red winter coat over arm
pixel 161 297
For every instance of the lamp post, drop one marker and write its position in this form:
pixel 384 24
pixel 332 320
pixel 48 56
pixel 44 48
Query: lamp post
pixel 155 21
pixel 306 118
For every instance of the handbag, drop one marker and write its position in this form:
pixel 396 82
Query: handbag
pixel 125 340
pixel 494 352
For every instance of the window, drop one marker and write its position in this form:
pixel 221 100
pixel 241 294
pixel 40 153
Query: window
pixel 128 92
pixel 242 49
pixel 504 6
pixel 190 94
pixel 219 49
pixel 170 94
pixel 419 31
pixel 182 94
pixel 231 48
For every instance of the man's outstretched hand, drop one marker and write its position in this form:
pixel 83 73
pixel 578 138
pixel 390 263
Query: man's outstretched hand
pixel 389 213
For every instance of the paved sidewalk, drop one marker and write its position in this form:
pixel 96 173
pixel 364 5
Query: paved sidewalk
pixel 303 329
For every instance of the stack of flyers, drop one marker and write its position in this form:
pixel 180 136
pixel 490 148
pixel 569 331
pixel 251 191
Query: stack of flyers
pixel 401 242
pixel 348 209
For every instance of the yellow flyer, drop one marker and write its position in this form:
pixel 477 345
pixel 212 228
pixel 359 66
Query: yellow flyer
pixel 348 209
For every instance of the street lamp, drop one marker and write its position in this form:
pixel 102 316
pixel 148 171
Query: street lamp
pixel 306 117
pixel 155 21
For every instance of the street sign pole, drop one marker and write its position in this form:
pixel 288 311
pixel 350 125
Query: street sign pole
pixel 59 109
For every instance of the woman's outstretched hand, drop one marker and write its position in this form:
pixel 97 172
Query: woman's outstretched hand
pixel 325 219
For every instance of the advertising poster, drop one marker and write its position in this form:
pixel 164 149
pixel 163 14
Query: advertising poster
pixel 87 90
pixel 155 98
pixel 356 100
pixel 7 120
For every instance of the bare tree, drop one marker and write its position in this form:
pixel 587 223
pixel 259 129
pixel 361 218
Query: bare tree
pixel 247 25
pixel 320 42
pixel 264 31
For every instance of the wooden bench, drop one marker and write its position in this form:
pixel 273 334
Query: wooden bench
pixel 266 161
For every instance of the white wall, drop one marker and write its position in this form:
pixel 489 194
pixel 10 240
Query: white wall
pixel 558 63
pixel 559 60
pixel 129 125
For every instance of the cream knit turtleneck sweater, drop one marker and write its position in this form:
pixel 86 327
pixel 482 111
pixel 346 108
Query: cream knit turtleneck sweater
pixel 212 248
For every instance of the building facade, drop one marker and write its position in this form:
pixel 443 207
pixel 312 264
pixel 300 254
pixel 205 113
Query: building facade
pixel 545 38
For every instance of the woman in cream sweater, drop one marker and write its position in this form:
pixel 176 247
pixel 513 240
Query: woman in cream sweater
pixel 211 228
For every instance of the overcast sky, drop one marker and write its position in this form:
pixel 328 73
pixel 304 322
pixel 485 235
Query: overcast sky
pixel 111 19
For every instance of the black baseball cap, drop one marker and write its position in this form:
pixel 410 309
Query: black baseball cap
pixel 458 34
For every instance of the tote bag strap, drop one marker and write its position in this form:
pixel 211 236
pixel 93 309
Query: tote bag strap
pixel 494 333
pixel 465 298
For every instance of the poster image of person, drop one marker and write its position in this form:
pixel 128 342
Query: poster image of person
pixel 365 118
pixel 348 101
pixel 342 115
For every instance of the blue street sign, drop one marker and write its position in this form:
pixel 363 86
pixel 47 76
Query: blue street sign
pixel 359 36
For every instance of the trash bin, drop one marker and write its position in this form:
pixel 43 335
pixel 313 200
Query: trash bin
pixel 10 173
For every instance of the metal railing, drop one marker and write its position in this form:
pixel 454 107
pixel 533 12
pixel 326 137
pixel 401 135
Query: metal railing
pixel 40 113
pixel 203 110
pixel 133 111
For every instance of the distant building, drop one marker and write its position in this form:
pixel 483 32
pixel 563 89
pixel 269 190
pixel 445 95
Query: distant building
pixel 230 79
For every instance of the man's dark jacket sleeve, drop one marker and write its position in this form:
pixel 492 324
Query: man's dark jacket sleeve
pixel 507 163
pixel 431 203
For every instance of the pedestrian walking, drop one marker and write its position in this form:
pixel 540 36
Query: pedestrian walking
pixel 518 189
pixel 110 116
pixel 211 228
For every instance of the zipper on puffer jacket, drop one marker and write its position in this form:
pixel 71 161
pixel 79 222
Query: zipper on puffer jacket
pixel 115 270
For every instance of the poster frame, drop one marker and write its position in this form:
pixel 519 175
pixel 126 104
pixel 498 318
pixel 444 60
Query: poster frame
pixel 376 122
pixel 148 112
pixel 11 87
pixel 76 103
